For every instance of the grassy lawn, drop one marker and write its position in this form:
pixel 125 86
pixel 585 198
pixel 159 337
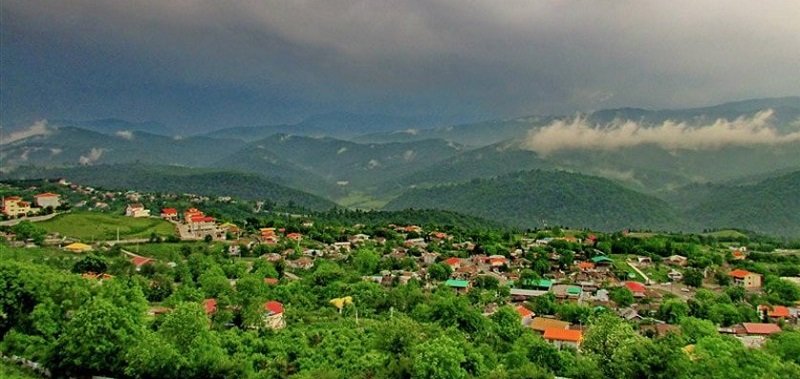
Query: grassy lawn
pixel 726 234
pixel 621 265
pixel 101 226
pixel 361 201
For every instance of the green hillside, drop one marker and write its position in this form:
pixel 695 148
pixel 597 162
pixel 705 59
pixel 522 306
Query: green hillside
pixel 181 180
pixel 346 165
pixel 533 198
pixel 771 206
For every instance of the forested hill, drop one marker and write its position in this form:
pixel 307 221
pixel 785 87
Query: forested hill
pixel 533 198
pixel 770 206
pixel 175 179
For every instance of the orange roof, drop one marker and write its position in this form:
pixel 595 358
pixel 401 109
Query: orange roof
pixel 210 305
pixel 524 312
pixel 271 281
pixel 776 311
pixel 739 273
pixel 294 236
pixel 273 307
pixel 169 211
pixel 452 261
pixel 46 194
pixel 12 198
pixel 758 328
pixel 557 334
pixel 585 265
pixel 541 324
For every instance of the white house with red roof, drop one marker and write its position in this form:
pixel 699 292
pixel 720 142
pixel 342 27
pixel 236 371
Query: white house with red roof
pixel 139 261
pixel 273 315
pixel 14 206
pixel 170 214
pixel 47 199
pixel 525 314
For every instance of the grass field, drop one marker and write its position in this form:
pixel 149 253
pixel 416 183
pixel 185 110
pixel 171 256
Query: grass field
pixel 166 251
pixel 726 234
pixel 100 226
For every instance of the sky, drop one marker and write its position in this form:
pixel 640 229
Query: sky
pixel 201 65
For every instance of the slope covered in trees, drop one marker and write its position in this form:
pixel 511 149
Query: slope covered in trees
pixel 532 198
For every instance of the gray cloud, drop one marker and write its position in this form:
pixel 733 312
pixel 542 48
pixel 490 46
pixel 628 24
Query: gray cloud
pixel 578 133
pixel 439 56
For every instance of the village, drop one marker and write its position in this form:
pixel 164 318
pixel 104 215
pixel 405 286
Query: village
pixel 574 269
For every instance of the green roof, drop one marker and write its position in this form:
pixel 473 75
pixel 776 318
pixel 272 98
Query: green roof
pixel 457 283
pixel 544 283
pixel 573 290
pixel 601 258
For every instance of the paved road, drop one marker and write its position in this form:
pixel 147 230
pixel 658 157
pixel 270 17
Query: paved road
pixel 31 219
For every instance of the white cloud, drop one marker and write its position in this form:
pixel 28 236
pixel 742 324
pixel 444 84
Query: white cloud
pixel 125 134
pixel 38 128
pixel 578 133
pixel 92 157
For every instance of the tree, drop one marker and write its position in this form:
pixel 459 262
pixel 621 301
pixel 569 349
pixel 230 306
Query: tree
pixel 673 310
pixel 439 271
pixel 785 345
pixel 90 263
pixel 784 290
pixel 366 261
pixel 506 324
pixel 695 329
pixel 438 358
pixel 693 277
pixel 95 339
pixel 27 230
pixel 622 296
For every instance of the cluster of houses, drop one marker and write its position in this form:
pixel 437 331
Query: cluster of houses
pixel 16 206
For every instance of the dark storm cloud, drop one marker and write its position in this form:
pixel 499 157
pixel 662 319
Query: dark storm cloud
pixel 212 62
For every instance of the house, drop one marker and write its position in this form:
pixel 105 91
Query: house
pixel 738 255
pixel 139 261
pixel 637 288
pixel 563 291
pixel 136 210
pixel 644 261
pixel 198 222
pixel 760 329
pixel 359 238
pixel 677 260
pixel 268 235
pixel 460 286
pixel 440 236
pixel 497 261
pixel 14 206
pixel 519 294
pixel 675 275
pixel 773 312
pixel 453 262
pixel 271 281
pixel 295 237
pixel 210 306
pixel 602 262
pixel 78 247
pixel 429 258
pixel 47 199
pixel 415 242
pixel 745 278
pixel 585 266
pixel 540 324
pixel 169 214
pixel 273 316
pixel 526 315
pixel 561 338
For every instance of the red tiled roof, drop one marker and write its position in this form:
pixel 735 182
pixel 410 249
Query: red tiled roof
pixel 524 312
pixel 585 265
pixel 169 211
pixel 758 328
pixel 452 261
pixel 202 219
pixel 140 261
pixel 635 286
pixel 739 273
pixel 273 307
pixel 210 306
pixel 271 281
pixel 557 334
pixel 775 310
pixel 294 236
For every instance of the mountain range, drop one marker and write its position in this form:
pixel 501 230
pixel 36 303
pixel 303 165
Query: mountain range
pixel 664 169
